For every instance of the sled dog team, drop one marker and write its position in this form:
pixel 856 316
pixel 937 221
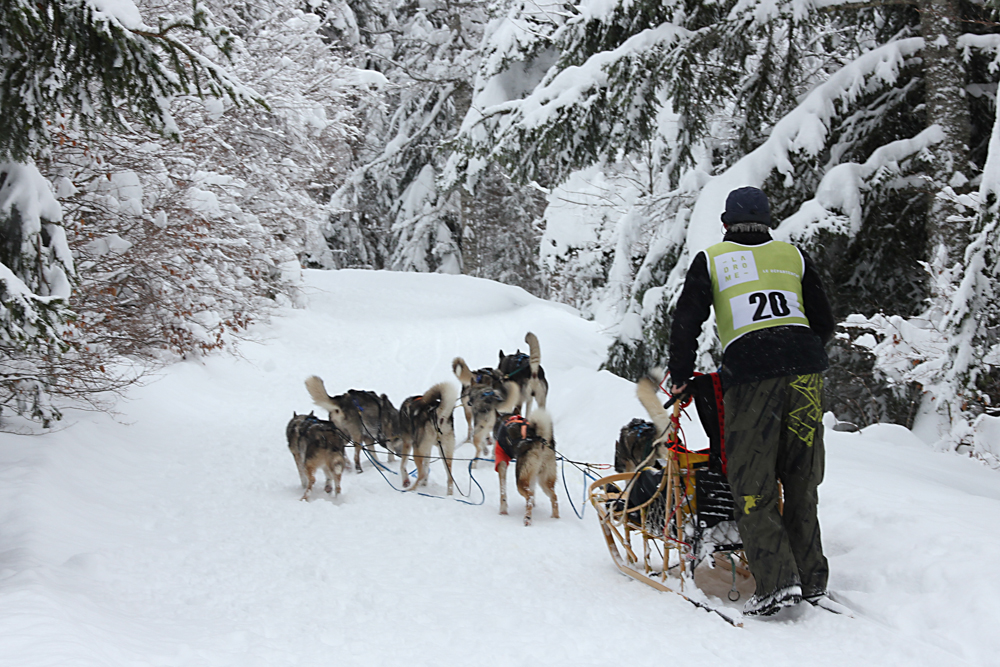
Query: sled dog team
pixel 493 400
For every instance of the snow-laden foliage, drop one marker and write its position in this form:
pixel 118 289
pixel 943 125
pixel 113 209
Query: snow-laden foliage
pixel 186 226
pixel 98 60
pixel 72 66
pixel 389 213
pixel 952 349
pixel 35 271
pixel 183 245
pixel 863 122
pixel 401 208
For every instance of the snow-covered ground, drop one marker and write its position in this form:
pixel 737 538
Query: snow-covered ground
pixel 173 534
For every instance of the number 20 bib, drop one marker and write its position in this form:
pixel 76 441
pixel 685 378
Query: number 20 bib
pixel 755 287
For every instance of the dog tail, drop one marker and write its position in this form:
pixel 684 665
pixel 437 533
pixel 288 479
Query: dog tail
pixel 646 391
pixel 316 389
pixel 513 399
pixel 542 422
pixel 445 396
pixel 534 353
pixel 461 371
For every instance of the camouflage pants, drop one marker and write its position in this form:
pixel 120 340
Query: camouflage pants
pixel 774 431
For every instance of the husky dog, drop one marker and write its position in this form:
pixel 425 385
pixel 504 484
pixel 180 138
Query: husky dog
pixel 482 391
pixel 426 421
pixel 316 444
pixel 530 443
pixel 526 370
pixel 634 444
pixel 364 416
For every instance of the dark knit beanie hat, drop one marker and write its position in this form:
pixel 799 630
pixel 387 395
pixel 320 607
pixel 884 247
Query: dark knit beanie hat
pixel 747 205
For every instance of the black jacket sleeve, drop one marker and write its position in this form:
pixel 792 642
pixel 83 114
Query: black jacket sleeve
pixel 816 305
pixel 693 308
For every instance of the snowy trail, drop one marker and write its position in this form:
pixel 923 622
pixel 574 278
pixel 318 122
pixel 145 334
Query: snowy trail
pixel 174 535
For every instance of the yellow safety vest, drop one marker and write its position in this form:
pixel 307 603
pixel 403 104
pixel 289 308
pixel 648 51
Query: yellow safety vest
pixel 755 287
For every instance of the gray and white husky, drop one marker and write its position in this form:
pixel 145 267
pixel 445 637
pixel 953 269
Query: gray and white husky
pixel 316 444
pixel 482 391
pixel 364 416
pixel 526 370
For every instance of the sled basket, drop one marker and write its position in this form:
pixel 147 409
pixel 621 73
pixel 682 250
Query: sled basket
pixel 662 521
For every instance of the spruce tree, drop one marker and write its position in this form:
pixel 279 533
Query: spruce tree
pixel 862 121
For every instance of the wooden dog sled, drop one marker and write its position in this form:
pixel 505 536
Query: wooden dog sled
pixel 672 515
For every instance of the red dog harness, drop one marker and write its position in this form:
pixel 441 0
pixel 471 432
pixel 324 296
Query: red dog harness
pixel 500 454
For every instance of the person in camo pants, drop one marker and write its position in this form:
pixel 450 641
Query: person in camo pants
pixel 773 319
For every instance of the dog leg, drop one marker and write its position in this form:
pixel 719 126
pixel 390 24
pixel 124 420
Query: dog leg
pixel 403 475
pixel 468 419
pixel 302 472
pixel 502 472
pixel 357 457
pixel 447 453
pixel 549 487
pixel 525 485
pixel 312 480
pixel 422 451
pixel 338 469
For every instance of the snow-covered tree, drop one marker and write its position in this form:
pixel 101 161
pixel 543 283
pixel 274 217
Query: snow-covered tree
pixel 399 209
pixel 76 66
pixel 35 270
pixel 96 61
pixel 182 245
pixel 863 122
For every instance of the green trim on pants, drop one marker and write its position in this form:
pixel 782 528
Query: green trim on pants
pixel 774 432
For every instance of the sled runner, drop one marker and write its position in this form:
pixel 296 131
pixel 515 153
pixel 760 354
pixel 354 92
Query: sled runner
pixel 671 515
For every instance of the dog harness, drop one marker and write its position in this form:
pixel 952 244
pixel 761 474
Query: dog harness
pixel 504 451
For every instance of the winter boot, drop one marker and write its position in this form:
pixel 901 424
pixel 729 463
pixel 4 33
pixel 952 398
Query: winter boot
pixel 765 605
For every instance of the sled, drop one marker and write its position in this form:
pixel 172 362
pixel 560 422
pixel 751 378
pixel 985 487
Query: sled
pixel 670 516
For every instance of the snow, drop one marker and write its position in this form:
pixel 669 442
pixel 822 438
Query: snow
pixel 122 11
pixel 805 129
pixel 171 532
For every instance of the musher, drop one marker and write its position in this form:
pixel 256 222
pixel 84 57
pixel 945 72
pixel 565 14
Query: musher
pixel 773 319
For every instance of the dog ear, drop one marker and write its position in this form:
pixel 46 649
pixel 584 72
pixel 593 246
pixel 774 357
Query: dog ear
pixel 502 355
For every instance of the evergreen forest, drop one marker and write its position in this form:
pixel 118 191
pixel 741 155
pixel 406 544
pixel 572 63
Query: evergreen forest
pixel 168 168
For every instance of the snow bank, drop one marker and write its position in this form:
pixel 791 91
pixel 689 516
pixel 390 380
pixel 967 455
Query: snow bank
pixel 172 534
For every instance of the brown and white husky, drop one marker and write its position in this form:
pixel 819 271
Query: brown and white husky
pixel 425 421
pixel 530 443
